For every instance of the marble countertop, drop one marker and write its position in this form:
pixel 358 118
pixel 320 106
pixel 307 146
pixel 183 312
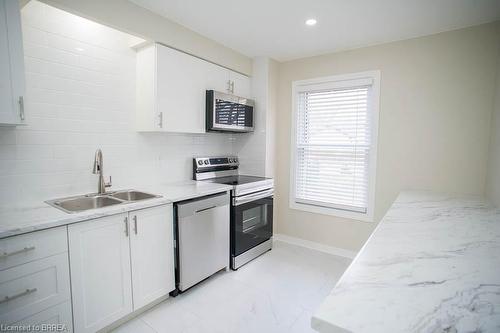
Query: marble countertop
pixel 431 265
pixel 40 216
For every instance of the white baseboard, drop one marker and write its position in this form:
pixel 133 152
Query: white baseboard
pixel 315 246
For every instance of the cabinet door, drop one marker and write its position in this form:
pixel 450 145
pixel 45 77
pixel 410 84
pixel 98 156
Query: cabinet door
pixel 100 272
pixel 147 116
pixel 11 64
pixel 216 78
pixel 241 84
pixel 152 251
pixel 181 84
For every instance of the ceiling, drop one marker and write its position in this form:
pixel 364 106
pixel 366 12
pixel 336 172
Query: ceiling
pixel 276 28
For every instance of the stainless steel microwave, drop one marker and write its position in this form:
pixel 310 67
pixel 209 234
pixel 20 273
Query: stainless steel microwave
pixel 228 113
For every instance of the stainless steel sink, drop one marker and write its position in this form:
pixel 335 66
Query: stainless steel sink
pixel 132 195
pixel 92 201
pixel 79 204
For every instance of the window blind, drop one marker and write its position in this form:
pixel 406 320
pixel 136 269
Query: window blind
pixel 333 147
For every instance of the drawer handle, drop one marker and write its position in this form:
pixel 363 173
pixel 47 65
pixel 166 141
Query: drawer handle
pixel 8 254
pixel 204 209
pixel 21 294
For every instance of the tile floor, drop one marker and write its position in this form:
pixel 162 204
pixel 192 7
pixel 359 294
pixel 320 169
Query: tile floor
pixel 276 292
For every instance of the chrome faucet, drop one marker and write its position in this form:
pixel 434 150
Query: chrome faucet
pixel 98 169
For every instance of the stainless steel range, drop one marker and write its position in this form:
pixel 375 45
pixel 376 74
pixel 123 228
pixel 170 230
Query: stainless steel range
pixel 251 206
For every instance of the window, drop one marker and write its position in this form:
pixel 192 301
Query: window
pixel 334 143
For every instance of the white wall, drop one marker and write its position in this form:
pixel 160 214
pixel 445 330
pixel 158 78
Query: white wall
pixel 272 118
pixel 253 145
pixel 80 96
pixel 436 103
pixel 128 17
pixel 493 180
pixel 257 149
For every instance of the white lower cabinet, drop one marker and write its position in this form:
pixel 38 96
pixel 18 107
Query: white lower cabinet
pixel 33 287
pixel 55 319
pixel 99 253
pixel 35 282
pixel 29 247
pixel 119 264
pixel 152 253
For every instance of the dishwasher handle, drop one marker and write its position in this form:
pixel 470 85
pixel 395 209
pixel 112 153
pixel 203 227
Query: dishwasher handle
pixel 192 207
pixel 204 209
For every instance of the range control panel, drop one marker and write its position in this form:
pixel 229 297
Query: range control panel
pixel 229 162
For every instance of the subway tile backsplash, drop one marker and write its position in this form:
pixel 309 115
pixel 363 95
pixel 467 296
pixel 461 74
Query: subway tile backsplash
pixel 80 81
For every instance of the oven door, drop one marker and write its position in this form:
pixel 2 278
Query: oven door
pixel 252 221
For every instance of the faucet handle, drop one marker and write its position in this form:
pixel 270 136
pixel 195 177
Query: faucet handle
pixel 109 184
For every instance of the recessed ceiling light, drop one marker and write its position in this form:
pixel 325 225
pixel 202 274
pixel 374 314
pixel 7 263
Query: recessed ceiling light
pixel 311 22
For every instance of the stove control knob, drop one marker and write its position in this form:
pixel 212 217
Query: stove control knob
pixel 235 160
pixel 206 162
pixel 231 160
pixel 200 162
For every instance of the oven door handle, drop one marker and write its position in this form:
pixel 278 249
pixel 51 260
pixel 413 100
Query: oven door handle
pixel 252 197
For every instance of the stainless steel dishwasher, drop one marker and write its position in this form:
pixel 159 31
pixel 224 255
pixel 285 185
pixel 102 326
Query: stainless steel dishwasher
pixel 202 239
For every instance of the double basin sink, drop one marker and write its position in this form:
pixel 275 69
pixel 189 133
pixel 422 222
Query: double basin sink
pixel 92 201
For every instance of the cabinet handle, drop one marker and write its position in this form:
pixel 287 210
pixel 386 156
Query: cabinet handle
pixel 228 86
pixel 232 87
pixel 160 120
pixel 21 294
pixel 135 224
pixel 21 107
pixel 126 227
pixel 8 254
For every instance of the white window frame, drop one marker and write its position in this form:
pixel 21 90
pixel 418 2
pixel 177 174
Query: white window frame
pixel 329 82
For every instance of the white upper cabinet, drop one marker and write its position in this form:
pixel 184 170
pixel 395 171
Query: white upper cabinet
pixel 12 82
pixel 240 85
pixel 181 84
pixel 171 89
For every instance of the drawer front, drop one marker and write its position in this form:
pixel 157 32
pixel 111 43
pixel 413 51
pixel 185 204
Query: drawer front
pixel 30 288
pixel 55 319
pixel 18 250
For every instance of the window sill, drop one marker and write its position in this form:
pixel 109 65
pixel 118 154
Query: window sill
pixel 364 217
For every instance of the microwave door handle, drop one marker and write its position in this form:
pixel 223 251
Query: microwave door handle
pixel 252 197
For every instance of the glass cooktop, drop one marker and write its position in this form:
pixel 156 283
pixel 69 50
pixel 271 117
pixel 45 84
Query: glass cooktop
pixel 237 180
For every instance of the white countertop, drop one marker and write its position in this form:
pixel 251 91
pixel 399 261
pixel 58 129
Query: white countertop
pixel 431 265
pixel 42 216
